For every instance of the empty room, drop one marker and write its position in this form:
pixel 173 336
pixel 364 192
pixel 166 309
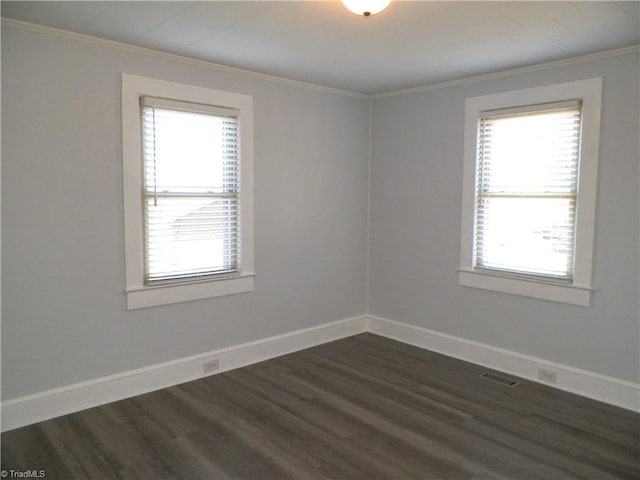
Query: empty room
pixel 320 240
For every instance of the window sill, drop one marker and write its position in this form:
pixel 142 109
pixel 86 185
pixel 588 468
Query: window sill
pixel 151 296
pixel 534 288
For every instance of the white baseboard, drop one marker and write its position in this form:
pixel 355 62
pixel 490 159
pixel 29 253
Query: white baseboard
pixel 41 406
pixel 582 382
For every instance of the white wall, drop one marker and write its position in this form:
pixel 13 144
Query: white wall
pixel 63 309
pixel 415 227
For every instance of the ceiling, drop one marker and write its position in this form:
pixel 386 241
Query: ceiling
pixel 411 44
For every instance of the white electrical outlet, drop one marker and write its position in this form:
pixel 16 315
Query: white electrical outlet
pixel 211 365
pixel 547 375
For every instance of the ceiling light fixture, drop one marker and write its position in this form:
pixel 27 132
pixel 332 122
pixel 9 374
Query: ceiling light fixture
pixel 366 8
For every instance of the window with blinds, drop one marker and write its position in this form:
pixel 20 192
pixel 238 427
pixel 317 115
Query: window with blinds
pixel 526 190
pixel 191 191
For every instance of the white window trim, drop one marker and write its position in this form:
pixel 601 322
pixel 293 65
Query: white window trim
pixel 138 294
pixel 579 291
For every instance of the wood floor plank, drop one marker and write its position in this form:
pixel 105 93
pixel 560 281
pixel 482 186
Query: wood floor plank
pixel 444 462
pixel 539 451
pixel 445 435
pixel 404 394
pixel 354 438
pixel 81 452
pixel 30 446
pixel 220 414
pixel 290 426
pixel 364 407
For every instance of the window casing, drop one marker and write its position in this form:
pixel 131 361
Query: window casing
pixel 187 156
pixel 529 191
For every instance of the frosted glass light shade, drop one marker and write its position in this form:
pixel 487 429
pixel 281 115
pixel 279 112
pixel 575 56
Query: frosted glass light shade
pixel 366 7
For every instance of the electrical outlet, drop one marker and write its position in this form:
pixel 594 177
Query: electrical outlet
pixel 211 365
pixel 547 375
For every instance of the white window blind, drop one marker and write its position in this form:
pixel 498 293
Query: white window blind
pixel 526 189
pixel 191 193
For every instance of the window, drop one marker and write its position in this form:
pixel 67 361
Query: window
pixel 529 191
pixel 191 190
pixel 187 160
pixel 526 181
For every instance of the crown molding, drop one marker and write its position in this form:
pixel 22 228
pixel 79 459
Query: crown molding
pixel 8 22
pixel 512 71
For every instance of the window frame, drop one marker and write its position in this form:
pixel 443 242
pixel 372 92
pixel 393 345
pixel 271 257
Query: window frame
pixel 579 290
pixel 138 293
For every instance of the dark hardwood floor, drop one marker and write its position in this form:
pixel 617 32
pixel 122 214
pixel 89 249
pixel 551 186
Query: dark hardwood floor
pixel 360 408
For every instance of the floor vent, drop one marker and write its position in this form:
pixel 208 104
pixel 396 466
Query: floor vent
pixel 498 379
